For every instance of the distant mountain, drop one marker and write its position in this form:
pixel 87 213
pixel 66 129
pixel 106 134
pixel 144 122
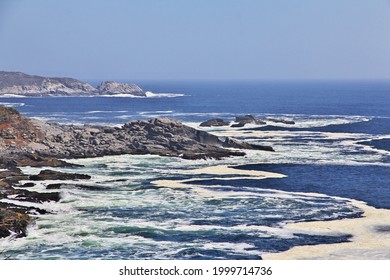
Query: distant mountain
pixel 17 83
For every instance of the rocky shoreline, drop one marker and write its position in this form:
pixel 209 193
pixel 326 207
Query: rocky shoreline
pixel 30 142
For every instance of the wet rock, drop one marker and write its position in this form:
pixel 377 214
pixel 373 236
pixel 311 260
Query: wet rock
pixel 13 221
pixel 249 119
pixel 241 121
pixel 57 175
pixel 240 124
pixel 37 197
pixel 54 186
pixel 28 185
pixel 214 122
pixel 230 142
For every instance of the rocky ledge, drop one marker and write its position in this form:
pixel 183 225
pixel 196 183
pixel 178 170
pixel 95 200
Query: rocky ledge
pixel 30 142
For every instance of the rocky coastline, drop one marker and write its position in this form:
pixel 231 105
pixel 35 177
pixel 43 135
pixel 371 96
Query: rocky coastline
pixel 30 142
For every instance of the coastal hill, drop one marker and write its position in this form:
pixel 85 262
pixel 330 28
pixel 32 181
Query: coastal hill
pixel 21 84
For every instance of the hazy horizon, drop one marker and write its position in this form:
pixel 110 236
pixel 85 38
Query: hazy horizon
pixel 197 40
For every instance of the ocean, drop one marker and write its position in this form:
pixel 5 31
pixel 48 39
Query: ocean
pixel 331 166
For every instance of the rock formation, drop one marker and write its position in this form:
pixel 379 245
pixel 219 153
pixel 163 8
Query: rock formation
pixel 114 88
pixel 243 120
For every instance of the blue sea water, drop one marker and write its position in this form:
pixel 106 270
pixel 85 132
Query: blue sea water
pixel 339 147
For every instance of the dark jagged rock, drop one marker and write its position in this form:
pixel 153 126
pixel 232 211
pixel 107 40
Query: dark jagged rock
pixel 15 221
pixel 57 175
pixel 229 142
pixel 54 186
pixel 37 197
pixel 214 122
pixel 240 124
pixel 243 120
pixel 249 119
pixel 45 143
pixel 28 185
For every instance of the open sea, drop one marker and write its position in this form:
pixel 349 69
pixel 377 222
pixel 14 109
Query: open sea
pixel 337 151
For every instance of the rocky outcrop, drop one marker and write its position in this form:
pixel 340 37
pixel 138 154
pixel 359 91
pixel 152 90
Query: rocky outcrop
pixel 57 175
pixel 214 122
pixel 114 88
pixel 233 143
pixel 29 142
pixel 17 83
pixel 243 120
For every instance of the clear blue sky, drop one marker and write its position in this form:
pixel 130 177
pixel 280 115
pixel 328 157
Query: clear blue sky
pixel 198 39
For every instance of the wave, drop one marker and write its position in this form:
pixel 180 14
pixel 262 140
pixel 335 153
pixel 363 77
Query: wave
pixel 98 112
pixel 9 104
pixel 148 94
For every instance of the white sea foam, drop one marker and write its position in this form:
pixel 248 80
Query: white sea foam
pixel 8 95
pixel 9 104
pixel 148 94
pixel 98 112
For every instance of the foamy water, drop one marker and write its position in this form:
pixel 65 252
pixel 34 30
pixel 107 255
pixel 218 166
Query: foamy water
pixel 152 207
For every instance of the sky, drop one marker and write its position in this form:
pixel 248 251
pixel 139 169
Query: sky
pixel 198 39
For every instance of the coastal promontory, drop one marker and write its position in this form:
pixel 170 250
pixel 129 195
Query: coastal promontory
pixel 21 84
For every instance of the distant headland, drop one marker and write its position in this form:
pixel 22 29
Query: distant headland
pixel 21 84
